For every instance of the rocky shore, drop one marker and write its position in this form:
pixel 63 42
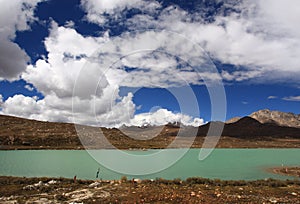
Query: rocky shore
pixel 288 171
pixel 192 190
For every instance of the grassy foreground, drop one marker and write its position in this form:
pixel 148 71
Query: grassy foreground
pixel 192 190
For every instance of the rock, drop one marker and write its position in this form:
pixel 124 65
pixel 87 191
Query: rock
pixel 52 182
pixel 29 187
pixel 137 180
pixel 40 183
pixel 273 200
pixel 25 143
pixel 294 194
pixel 94 185
pixel 193 193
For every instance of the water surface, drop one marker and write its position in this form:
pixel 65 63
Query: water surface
pixel 227 164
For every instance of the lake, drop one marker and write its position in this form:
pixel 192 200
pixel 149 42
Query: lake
pixel 226 164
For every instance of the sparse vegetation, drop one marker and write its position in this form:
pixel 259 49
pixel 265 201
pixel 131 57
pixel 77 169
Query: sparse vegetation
pixel 192 190
pixel 18 133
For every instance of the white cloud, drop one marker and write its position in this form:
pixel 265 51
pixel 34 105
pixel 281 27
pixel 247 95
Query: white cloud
pixel 21 105
pixel 67 50
pixel 52 108
pixel 28 87
pixel 272 97
pixel 264 37
pixel 14 16
pixel 69 24
pixel 66 67
pixel 265 42
pixel 96 9
pixel 262 41
pixel 292 98
pixel 1 100
pixel 71 63
pixel 162 117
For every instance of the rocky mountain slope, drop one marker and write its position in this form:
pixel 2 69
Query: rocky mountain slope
pixel 277 117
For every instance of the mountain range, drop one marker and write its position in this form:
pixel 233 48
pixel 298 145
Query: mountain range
pixel 263 125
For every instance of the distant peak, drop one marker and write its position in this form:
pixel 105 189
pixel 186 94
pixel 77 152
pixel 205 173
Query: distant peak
pixel 277 117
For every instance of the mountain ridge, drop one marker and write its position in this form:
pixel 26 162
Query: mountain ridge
pixel 267 116
pixel 277 117
pixel 247 132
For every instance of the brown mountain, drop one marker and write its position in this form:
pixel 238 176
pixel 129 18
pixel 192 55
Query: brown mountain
pixel 233 120
pixel 23 133
pixel 20 133
pixel 249 127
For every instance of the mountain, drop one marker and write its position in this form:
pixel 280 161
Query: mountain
pixel 25 132
pixel 20 133
pixel 249 128
pixel 277 117
pixel 232 120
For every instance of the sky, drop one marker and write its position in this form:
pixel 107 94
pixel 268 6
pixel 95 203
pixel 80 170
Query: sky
pixel 135 62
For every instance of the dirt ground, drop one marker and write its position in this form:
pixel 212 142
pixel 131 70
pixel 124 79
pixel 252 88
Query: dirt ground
pixel 192 190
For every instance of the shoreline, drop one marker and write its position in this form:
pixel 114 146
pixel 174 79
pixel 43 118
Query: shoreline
pixel 191 190
pixel 293 171
pixel 224 143
pixel 137 149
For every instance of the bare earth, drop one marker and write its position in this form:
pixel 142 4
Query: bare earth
pixel 20 133
pixel 192 190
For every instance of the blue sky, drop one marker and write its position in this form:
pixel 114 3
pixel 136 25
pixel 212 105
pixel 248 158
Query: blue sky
pixel 116 62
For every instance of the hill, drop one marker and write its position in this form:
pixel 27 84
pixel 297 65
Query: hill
pixel 20 133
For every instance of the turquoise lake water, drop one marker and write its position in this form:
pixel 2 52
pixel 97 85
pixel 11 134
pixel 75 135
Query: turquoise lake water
pixel 226 164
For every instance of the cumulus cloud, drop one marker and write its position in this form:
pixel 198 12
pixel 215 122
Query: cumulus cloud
pixel 13 60
pixel 21 105
pixel 67 50
pixel 14 16
pixel 262 41
pixel 292 98
pixel 162 117
pixel 75 88
pixel 263 37
pixel 80 88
